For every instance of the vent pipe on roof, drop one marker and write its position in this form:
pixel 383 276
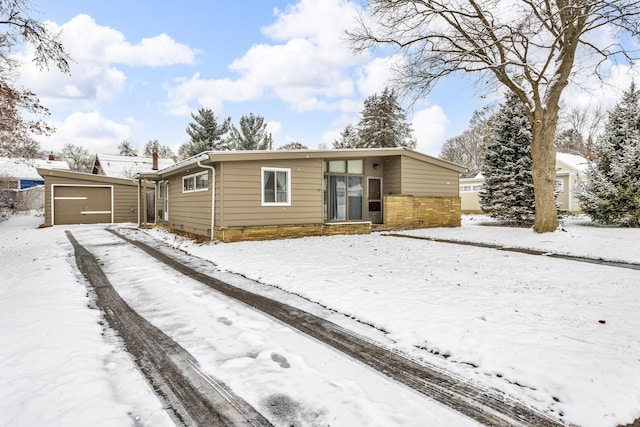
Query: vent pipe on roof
pixel 154 157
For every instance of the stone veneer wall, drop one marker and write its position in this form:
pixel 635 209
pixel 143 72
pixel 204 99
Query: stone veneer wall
pixel 406 212
pixel 241 234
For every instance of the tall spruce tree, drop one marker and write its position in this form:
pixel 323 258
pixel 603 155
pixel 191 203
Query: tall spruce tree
pixel 383 123
pixel 611 192
pixel 349 138
pixel 252 134
pixel 205 133
pixel 508 190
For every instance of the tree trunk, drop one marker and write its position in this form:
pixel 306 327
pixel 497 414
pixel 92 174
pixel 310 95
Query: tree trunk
pixel 543 171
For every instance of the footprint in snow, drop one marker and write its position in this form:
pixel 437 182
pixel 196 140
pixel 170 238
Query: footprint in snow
pixel 281 360
pixel 225 321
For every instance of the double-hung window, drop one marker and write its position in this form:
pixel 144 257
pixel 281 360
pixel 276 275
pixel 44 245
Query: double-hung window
pixel 276 187
pixel 195 182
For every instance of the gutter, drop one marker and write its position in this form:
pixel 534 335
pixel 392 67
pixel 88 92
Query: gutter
pixel 195 160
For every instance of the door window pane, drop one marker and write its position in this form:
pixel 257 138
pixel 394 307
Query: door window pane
pixel 374 188
pixel 355 197
pixel 338 202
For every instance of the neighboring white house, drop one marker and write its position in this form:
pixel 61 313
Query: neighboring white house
pixel 127 166
pixel 569 168
pixel 21 187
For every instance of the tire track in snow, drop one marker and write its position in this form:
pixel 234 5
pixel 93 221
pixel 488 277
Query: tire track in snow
pixel 485 405
pixel 192 396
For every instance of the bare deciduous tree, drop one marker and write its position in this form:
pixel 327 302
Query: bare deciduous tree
pixel 467 149
pixel 295 145
pixel 527 46
pixel 579 128
pixel 18 27
pixel 78 158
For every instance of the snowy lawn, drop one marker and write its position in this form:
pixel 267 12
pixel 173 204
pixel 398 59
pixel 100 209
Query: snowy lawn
pixel 58 364
pixel 560 335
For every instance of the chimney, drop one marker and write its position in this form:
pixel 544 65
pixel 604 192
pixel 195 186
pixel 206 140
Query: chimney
pixel 51 157
pixel 154 156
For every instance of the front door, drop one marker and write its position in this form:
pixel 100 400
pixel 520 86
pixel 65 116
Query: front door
pixel 375 200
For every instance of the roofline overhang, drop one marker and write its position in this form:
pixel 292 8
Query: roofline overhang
pixel 256 155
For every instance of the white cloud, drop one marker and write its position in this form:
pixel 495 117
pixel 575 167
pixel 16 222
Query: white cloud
pixel 88 41
pixel 430 129
pixel 90 130
pixel 307 68
pixel 376 74
pixel 274 128
pixel 97 51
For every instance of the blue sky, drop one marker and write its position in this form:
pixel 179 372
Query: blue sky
pixel 142 67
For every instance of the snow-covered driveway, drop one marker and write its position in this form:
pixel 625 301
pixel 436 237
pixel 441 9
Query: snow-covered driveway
pixel 290 378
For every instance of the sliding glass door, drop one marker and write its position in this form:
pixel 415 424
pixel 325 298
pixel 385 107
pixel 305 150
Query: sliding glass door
pixel 343 197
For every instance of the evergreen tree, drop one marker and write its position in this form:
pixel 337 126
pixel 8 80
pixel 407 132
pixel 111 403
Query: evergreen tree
pixel 508 190
pixel 164 151
pixel 611 193
pixel 383 123
pixel 252 134
pixel 349 138
pixel 125 149
pixel 206 133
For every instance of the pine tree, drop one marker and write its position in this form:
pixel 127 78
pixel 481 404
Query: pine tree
pixel 164 151
pixel 349 138
pixel 206 133
pixel 611 192
pixel 125 149
pixel 508 190
pixel 252 134
pixel 383 123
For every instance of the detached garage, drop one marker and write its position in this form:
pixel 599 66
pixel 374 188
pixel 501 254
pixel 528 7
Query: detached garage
pixel 82 198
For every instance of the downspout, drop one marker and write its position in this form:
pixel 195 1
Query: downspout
pixel 213 194
pixel 138 181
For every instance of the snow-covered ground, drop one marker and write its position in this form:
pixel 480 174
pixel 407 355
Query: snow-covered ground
pixel 559 335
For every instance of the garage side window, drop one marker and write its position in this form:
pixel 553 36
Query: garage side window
pixel 195 182
pixel 276 187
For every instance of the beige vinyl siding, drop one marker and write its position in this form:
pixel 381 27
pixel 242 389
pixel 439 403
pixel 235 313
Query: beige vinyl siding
pixel 190 212
pixel 425 179
pixel 239 202
pixel 392 175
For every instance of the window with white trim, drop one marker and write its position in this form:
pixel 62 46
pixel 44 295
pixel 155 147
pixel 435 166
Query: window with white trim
pixel 195 182
pixel 559 185
pixel 276 186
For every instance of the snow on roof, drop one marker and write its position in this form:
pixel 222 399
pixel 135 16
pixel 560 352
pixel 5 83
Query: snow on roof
pixel 26 168
pixel 127 166
pixel 576 162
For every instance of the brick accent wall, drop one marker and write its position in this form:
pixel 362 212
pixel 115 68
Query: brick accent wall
pixel 406 212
